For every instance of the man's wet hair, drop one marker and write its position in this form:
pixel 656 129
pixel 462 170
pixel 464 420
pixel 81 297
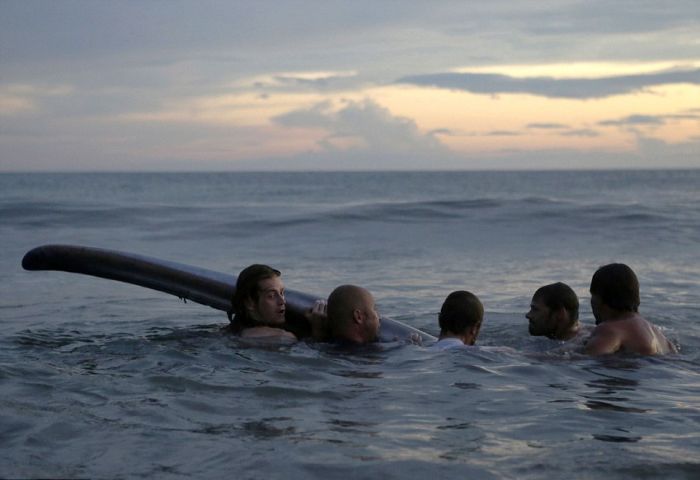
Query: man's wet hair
pixel 460 311
pixel 247 287
pixel 559 295
pixel 617 286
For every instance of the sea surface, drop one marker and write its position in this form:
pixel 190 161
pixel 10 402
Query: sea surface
pixel 100 379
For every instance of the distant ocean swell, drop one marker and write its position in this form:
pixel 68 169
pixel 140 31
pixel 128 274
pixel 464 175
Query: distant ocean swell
pixel 229 218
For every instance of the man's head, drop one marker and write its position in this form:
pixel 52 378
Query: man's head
pixel 461 315
pixel 259 297
pixel 553 311
pixel 614 286
pixel 352 315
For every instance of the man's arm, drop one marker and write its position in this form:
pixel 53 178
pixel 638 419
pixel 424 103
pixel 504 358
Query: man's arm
pixel 317 316
pixel 602 341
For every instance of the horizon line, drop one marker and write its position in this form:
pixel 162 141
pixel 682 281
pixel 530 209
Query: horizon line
pixel 445 170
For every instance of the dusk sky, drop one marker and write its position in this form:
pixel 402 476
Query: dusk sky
pixel 348 85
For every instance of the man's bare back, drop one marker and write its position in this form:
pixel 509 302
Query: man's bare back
pixel 628 333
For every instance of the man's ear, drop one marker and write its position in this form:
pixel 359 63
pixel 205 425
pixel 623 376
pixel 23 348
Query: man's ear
pixel 562 316
pixel 357 316
pixel 474 332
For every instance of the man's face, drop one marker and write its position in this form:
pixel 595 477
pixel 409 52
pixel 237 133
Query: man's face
pixel 542 322
pixel 371 319
pixel 270 307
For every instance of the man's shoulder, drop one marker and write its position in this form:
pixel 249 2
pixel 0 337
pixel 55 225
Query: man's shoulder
pixel 448 343
pixel 609 327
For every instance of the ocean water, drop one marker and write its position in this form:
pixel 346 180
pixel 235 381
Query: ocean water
pixel 100 379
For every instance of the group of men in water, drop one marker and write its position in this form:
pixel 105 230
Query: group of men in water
pixel 349 315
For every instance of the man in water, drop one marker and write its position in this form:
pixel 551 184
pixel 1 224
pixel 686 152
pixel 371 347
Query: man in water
pixel 619 326
pixel 349 316
pixel 460 320
pixel 554 312
pixel 259 305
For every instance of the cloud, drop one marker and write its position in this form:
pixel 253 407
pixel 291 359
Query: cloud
pixel 683 116
pixel 202 79
pixel 316 80
pixel 634 120
pixel 15 104
pixel 649 153
pixel 581 132
pixel 578 88
pixel 564 130
pixel 442 131
pixel 614 17
pixel 660 153
pixel 23 99
pixel 648 120
pixel 503 133
pixel 546 126
pixel 363 125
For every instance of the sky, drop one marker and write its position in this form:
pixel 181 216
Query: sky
pixel 172 85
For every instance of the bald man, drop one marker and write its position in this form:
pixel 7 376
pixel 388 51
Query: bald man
pixel 348 316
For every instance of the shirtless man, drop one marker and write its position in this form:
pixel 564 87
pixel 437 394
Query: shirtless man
pixel 619 326
pixel 349 316
pixel 460 320
pixel 554 312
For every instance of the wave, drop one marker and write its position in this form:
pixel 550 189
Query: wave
pixel 45 214
pixel 517 210
pixel 250 220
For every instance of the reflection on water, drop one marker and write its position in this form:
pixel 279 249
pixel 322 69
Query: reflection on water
pixel 454 426
pixel 597 405
pixel 619 393
pixel 466 385
pixel 330 408
pixel 616 438
pixel 266 428
pixel 610 387
pixel 358 374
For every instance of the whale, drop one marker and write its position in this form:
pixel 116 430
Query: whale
pixel 187 282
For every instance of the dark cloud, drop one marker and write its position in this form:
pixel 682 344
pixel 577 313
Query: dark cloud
pixel 634 120
pixel 580 88
pixel 620 17
pixel 546 126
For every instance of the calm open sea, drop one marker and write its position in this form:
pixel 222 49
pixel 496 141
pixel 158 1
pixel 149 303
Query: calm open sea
pixel 106 380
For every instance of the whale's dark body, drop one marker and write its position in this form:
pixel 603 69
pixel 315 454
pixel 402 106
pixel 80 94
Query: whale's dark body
pixel 199 285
